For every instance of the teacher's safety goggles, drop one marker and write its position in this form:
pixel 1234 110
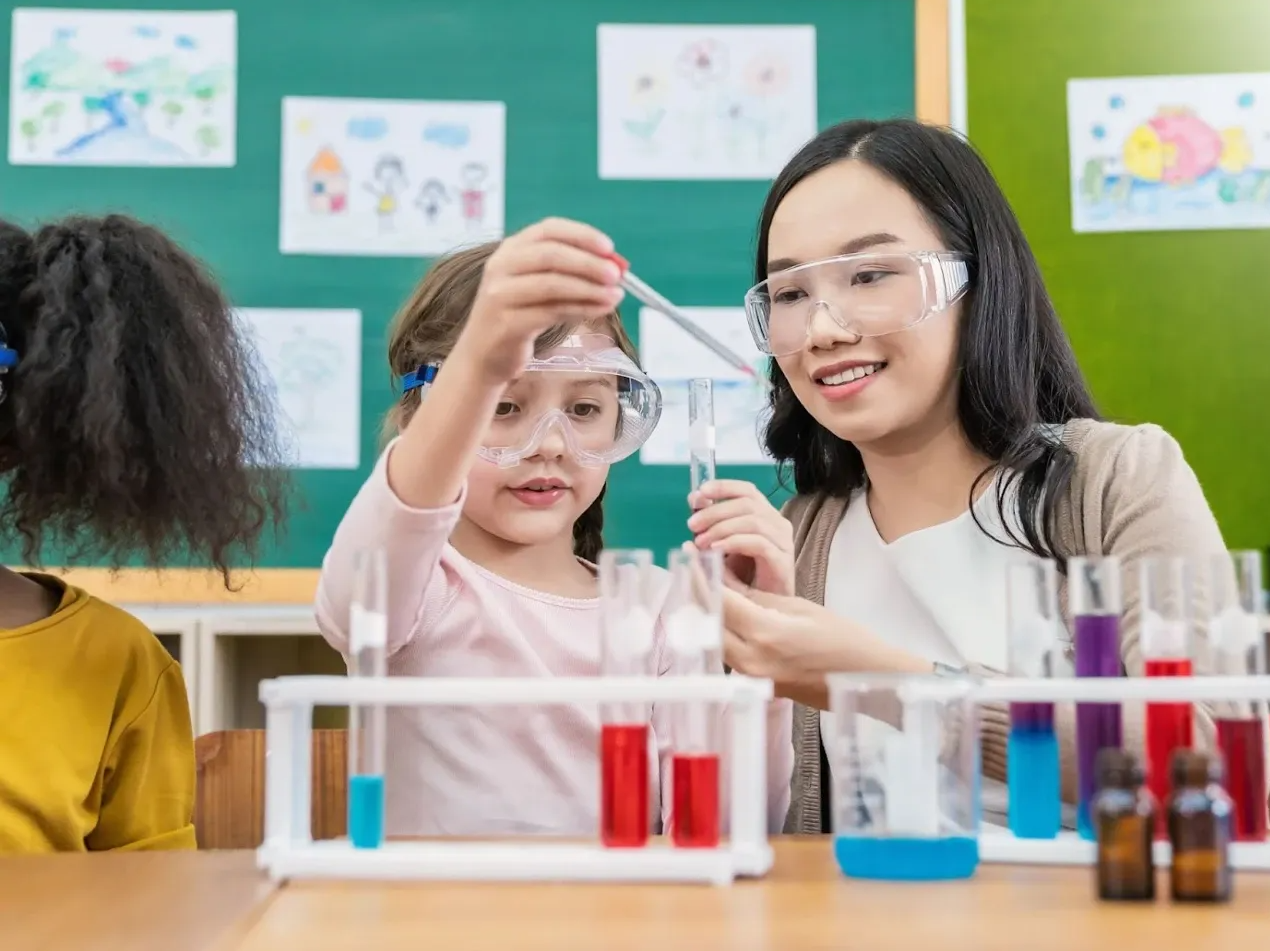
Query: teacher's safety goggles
pixel 868 295
pixel 584 397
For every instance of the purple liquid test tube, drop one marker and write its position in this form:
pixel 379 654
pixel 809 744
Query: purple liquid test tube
pixel 1095 602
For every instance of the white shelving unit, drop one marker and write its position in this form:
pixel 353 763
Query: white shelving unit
pixel 226 651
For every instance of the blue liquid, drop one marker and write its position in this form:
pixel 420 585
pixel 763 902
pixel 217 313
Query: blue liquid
pixel 366 811
pixel 1033 780
pixel 907 860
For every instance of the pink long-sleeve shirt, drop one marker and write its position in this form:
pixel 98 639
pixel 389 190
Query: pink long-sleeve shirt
pixel 503 770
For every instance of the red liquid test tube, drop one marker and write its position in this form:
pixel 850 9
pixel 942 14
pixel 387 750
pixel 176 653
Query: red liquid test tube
pixel 694 639
pixel 627 588
pixel 1235 638
pixel 1165 586
pixel 695 815
pixel 624 785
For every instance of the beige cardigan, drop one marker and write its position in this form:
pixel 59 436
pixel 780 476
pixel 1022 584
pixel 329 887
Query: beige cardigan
pixel 1131 494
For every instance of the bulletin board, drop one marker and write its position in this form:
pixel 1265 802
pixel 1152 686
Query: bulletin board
pixel 693 240
pixel 1170 326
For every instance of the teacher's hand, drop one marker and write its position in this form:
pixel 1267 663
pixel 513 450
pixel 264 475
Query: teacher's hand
pixel 757 542
pixel 791 640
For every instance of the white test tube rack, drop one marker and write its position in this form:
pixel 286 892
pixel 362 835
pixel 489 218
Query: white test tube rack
pixel 1001 847
pixel 289 852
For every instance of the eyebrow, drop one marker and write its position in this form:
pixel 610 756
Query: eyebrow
pixel 854 246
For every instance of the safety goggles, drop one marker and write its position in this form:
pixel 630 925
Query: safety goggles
pixel 584 397
pixel 8 360
pixel 868 295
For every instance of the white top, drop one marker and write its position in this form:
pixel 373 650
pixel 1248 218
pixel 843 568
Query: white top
pixel 938 593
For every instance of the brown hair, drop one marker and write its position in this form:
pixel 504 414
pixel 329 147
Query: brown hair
pixel 426 328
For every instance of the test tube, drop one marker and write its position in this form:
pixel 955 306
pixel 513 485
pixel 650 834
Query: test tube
pixel 367 739
pixel 1166 593
pixel 627 591
pixel 701 431
pixel 694 638
pixel 1238 651
pixel 1095 602
pixel 1034 652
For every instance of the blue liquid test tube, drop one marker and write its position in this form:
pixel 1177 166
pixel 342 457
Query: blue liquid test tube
pixel 701 431
pixel 367 740
pixel 1033 779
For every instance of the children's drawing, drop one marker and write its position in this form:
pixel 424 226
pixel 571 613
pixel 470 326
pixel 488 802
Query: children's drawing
pixel 433 195
pixel 1170 153
pixel 327 180
pixel 313 361
pixel 673 358
pixel 390 177
pixel 122 87
pixel 704 102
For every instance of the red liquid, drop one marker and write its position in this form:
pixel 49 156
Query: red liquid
pixel 695 817
pixel 1241 743
pixel 1169 728
pixel 624 785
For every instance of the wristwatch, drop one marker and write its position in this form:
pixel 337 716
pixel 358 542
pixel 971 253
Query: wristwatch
pixel 948 670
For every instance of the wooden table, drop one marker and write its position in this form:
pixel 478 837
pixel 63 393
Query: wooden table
pixel 151 901
pixel 158 903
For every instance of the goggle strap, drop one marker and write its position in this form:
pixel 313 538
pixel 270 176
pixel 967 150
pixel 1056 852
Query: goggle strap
pixel 421 377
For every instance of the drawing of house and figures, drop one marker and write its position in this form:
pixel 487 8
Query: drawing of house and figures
pixel 122 87
pixel 390 177
pixel 1170 153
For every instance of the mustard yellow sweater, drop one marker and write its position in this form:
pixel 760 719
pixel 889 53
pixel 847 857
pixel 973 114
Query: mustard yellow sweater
pixel 96 747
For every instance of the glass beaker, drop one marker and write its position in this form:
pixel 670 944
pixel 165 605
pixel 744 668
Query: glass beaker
pixel 904 761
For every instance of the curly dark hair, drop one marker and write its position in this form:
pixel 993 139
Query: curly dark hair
pixel 136 422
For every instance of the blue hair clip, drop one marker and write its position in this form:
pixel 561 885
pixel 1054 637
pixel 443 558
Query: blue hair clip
pixel 8 360
pixel 419 378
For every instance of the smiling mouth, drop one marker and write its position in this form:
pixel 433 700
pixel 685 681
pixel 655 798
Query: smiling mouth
pixel 540 485
pixel 850 374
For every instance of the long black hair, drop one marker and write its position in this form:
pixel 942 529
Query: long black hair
pixel 1016 369
pixel 136 421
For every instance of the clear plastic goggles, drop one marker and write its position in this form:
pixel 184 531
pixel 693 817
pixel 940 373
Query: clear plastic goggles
pixel 584 397
pixel 869 295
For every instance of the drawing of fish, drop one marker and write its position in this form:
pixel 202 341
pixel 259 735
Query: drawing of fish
pixel 1177 147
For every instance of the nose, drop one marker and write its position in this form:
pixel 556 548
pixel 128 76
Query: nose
pixel 552 445
pixel 826 329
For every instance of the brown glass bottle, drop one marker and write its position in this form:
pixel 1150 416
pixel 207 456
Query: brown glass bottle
pixel 1199 817
pixel 1123 812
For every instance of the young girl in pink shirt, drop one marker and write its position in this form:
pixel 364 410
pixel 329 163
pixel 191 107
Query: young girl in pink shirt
pixel 488 505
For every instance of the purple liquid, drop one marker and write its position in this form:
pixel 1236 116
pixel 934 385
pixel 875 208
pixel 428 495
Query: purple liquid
pixel 1032 717
pixel 1097 724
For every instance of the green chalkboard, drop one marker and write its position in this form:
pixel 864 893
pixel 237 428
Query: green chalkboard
pixel 1170 327
pixel 693 240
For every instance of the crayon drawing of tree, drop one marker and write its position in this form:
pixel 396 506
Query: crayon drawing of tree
pixel 30 131
pixel 52 113
pixel 172 111
pixel 208 138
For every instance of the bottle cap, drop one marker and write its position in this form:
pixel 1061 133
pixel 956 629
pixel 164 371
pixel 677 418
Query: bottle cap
pixel 1193 768
pixel 1118 769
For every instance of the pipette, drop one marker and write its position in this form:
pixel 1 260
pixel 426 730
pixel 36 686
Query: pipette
pixel 701 431
pixel 644 293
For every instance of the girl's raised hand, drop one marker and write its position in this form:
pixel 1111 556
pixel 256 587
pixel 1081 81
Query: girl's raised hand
pixel 757 542
pixel 555 271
